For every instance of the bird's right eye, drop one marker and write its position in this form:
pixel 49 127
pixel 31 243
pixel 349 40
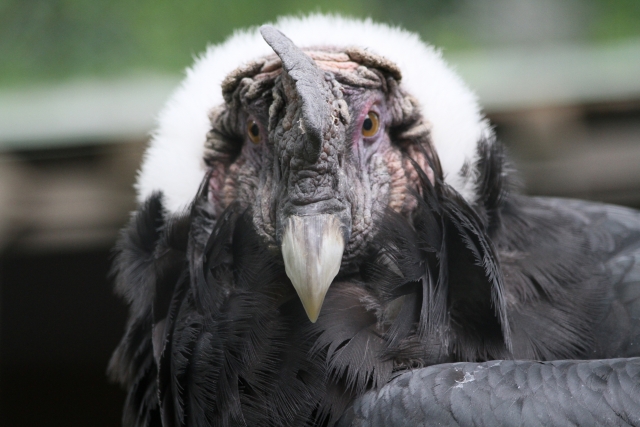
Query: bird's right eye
pixel 253 130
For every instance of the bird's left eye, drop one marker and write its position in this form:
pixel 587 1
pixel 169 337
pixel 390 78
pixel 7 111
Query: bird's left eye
pixel 254 131
pixel 370 125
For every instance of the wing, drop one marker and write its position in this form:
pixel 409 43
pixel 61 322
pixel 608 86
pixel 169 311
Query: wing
pixel 506 393
pixel 532 393
pixel 572 278
pixel 614 235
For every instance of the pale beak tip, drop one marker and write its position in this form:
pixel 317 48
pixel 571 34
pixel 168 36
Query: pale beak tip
pixel 313 318
pixel 313 311
pixel 312 250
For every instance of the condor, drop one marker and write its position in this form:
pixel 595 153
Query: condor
pixel 327 235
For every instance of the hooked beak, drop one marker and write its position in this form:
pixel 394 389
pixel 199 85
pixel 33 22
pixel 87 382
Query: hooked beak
pixel 312 248
pixel 315 221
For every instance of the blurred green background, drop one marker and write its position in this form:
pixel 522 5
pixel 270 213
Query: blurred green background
pixel 81 82
pixel 52 40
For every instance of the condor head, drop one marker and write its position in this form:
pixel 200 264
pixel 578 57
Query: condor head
pixel 316 143
pixel 317 140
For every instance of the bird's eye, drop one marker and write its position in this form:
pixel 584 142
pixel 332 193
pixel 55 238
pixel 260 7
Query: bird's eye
pixel 254 131
pixel 370 125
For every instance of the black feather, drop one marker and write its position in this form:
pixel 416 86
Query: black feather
pixel 217 335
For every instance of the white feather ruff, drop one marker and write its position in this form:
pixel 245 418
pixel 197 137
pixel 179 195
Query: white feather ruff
pixel 173 163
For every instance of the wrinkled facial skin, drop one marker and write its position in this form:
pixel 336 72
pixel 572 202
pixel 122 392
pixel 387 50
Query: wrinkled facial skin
pixel 353 176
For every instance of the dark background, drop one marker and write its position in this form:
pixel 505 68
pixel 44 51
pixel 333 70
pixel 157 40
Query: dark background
pixel 81 80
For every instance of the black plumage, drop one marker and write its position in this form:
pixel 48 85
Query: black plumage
pixel 510 393
pixel 224 340
pixel 217 334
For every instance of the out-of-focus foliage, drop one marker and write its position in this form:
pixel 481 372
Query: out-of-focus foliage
pixel 43 40
pixel 616 19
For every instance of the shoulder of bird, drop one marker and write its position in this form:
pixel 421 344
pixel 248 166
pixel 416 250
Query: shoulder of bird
pixel 323 210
